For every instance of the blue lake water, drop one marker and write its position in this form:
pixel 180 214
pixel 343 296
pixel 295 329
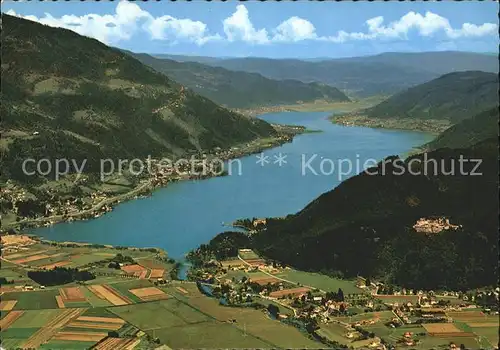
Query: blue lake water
pixel 185 214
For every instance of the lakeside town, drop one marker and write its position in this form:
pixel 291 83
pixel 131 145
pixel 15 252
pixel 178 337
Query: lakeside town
pixel 85 197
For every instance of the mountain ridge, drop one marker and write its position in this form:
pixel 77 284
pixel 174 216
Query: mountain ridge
pixel 69 96
pixel 236 89
pixel 385 73
pixel 468 132
pixel 453 96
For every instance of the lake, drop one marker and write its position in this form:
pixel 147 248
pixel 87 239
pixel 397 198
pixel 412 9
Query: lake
pixel 185 214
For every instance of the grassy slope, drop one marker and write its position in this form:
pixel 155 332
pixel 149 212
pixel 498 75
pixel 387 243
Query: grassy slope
pixel 240 89
pixel 87 100
pixel 453 97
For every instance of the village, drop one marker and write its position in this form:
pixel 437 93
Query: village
pixel 357 313
pixel 84 196
pixel 366 313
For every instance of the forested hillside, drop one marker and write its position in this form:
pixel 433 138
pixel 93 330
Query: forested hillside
pixel 69 96
pixel 382 74
pixel 241 89
pixel 365 225
pixel 469 131
pixel 452 97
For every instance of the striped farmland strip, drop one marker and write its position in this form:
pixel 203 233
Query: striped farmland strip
pixel 52 327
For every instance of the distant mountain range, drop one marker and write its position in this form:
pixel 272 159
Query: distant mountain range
pixel 453 97
pixel 240 89
pixel 384 74
pixel 69 96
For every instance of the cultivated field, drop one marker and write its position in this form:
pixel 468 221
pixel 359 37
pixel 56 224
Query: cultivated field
pixel 322 282
pixel 7 305
pixel 232 263
pixel 334 332
pixel 479 323
pixel 148 293
pixel 467 316
pixel 8 320
pixel 33 300
pixel 80 336
pixel 41 254
pixel 72 294
pixel 391 299
pixel 99 323
pixel 157 273
pixel 110 294
pixel 377 316
pixel 292 291
pixel 117 343
pixel 438 328
pixel 209 335
pixel 265 280
pixel 182 290
pixel 148 316
pixel 135 270
pixel 247 254
pixel 52 327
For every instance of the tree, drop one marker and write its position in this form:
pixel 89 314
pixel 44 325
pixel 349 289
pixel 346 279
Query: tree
pixel 368 282
pixel 340 295
pixel 311 326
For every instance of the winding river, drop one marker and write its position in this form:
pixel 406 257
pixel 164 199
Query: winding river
pixel 185 214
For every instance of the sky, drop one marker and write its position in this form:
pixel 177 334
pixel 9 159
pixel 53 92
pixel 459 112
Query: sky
pixel 302 29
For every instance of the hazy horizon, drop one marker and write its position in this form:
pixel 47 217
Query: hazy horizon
pixel 313 57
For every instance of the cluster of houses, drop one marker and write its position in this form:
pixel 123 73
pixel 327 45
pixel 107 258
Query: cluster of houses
pixel 434 225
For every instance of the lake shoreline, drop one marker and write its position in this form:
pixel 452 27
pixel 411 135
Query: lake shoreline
pixel 180 217
pixel 317 106
pixel 434 127
pixel 286 133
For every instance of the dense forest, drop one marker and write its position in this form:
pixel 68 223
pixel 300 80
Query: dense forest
pixel 59 275
pixel 365 225
pixel 224 245
pixel 453 97
pixel 468 132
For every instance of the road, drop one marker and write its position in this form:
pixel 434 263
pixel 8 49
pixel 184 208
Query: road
pixel 92 209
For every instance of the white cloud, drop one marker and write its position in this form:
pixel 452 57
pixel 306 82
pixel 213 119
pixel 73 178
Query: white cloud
pixel 127 20
pixel 238 27
pixel 171 28
pixel 469 30
pixel 295 29
pixel 109 29
pixel 130 19
pixel 425 25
